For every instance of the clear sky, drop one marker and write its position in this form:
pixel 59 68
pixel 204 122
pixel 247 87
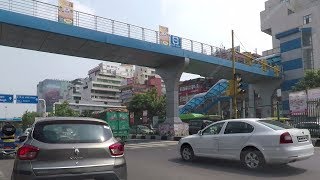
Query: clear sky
pixel 207 21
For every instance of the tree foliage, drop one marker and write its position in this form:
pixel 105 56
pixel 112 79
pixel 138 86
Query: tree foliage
pixel 86 113
pixel 150 101
pixel 310 80
pixel 63 110
pixel 28 119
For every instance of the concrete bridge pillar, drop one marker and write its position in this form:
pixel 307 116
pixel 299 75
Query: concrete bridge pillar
pixel 265 89
pixel 170 74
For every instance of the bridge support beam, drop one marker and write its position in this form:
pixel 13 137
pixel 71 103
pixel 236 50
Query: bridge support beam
pixel 171 74
pixel 265 89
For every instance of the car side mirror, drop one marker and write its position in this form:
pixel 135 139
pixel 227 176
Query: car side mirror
pixel 200 133
pixel 22 138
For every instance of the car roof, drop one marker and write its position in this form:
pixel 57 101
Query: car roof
pixel 47 119
pixel 199 120
pixel 243 119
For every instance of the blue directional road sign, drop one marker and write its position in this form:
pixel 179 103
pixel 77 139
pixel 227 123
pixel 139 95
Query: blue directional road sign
pixel 25 99
pixel 6 98
pixel 11 119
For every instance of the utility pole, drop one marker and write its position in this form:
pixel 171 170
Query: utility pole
pixel 234 100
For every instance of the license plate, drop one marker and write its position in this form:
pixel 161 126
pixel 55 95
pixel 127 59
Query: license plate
pixel 303 138
pixel 7 148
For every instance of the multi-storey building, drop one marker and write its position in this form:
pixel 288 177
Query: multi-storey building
pixel 294 26
pixel 51 90
pixel 130 88
pixel 74 90
pixel 142 74
pixel 103 85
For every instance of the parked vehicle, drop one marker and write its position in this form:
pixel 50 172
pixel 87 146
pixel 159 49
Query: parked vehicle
pixel 140 129
pixel 254 142
pixel 118 120
pixel 197 125
pixel 70 148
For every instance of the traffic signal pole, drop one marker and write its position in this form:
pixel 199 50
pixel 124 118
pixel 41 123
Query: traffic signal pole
pixel 234 100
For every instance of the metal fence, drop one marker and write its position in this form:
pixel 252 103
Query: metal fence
pixel 50 12
pixel 309 119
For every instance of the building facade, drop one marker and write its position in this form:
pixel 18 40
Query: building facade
pixel 51 90
pixel 142 74
pixel 294 26
pixel 103 85
pixel 131 88
pixel 74 90
pixel 85 106
pixel 187 89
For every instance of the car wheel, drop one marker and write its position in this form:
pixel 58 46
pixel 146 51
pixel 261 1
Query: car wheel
pixel 187 153
pixel 252 159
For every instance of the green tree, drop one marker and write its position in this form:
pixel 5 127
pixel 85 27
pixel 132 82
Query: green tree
pixel 150 101
pixel 310 80
pixel 86 113
pixel 28 119
pixel 63 110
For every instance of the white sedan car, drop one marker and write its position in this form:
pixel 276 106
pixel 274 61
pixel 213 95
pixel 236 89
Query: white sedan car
pixel 254 142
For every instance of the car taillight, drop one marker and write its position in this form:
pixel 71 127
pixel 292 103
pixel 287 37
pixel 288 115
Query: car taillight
pixel 285 138
pixel 116 149
pixel 27 152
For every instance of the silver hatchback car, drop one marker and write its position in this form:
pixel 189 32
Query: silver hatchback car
pixel 70 148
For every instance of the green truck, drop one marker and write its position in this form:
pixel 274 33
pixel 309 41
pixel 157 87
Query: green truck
pixel 118 120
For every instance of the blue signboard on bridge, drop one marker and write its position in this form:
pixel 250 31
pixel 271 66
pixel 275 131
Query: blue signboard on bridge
pixel 6 98
pixel 25 99
pixel 175 41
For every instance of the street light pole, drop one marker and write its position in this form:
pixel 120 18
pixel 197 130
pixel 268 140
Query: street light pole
pixel 234 100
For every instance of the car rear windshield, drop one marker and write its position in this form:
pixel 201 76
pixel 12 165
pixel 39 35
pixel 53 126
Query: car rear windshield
pixel 275 125
pixel 65 132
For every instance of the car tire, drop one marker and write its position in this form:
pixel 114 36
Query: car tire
pixel 252 159
pixel 187 153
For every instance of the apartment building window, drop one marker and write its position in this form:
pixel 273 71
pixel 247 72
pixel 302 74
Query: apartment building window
pixel 306 38
pixel 307 19
pixel 307 59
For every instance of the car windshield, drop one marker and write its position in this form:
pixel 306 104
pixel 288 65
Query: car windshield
pixel 275 125
pixel 71 132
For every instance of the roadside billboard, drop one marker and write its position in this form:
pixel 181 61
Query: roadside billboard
pixel 298 102
pixel 164 35
pixel 65 13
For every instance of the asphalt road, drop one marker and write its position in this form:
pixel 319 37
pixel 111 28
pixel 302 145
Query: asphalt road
pixel 160 161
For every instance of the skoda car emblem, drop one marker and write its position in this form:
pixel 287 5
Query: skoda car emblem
pixel 76 152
